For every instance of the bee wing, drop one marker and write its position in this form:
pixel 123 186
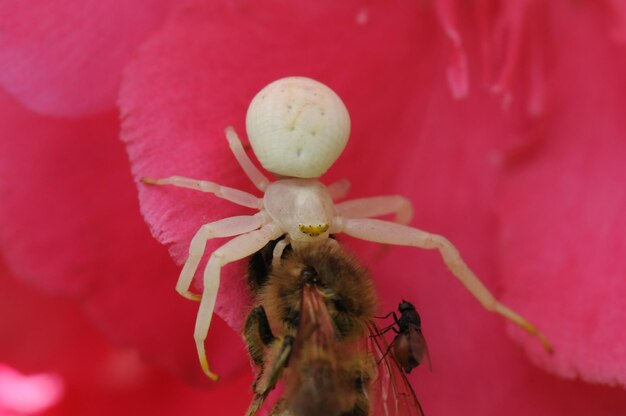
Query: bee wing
pixel 316 383
pixel 316 332
pixel 391 392
pixel 307 360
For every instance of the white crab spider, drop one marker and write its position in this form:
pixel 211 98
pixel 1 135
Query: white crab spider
pixel 298 127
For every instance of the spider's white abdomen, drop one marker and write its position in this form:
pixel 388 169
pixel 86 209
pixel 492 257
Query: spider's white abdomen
pixel 297 127
pixel 302 207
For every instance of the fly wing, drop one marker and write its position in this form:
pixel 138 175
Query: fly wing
pixel 418 346
pixel 391 393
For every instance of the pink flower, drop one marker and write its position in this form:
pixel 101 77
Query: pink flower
pixel 500 120
pixel 27 394
pixel 60 364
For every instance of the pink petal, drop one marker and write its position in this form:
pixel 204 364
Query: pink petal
pixel 99 378
pixel 458 78
pixel 477 369
pixel 65 57
pixel 513 39
pixel 69 223
pixel 618 13
pixel 28 394
pixel 562 206
pixel 198 74
pixel 513 27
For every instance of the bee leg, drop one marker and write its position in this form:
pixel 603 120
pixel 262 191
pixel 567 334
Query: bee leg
pixel 391 233
pixel 258 179
pixel 260 266
pixel 226 227
pixel 266 381
pixel 257 402
pixel 236 249
pixel 281 361
pixel 265 332
pixel 279 408
pixel 362 379
pixel 257 332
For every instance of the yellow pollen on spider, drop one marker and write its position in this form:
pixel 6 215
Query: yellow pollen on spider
pixel 313 230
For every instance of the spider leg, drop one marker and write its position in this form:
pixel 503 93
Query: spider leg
pixel 237 248
pixel 377 206
pixel 230 194
pixel 278 250
pixel 258 179
pixel 391 233
pixel 339 189
pixel 226 227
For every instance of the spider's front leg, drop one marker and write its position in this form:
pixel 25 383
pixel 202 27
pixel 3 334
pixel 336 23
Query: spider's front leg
pixel 239 247
pixel 226 227
pixel 397 234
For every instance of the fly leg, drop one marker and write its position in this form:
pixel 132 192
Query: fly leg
pixel 391 233
pixel 392 326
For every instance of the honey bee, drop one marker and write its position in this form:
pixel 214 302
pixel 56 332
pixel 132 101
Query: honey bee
pixel 311 331
pixel 409 345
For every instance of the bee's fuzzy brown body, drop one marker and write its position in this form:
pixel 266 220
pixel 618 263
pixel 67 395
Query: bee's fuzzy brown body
pixel 307 327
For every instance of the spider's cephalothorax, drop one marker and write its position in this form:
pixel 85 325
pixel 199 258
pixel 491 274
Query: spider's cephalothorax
pixel 298 127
